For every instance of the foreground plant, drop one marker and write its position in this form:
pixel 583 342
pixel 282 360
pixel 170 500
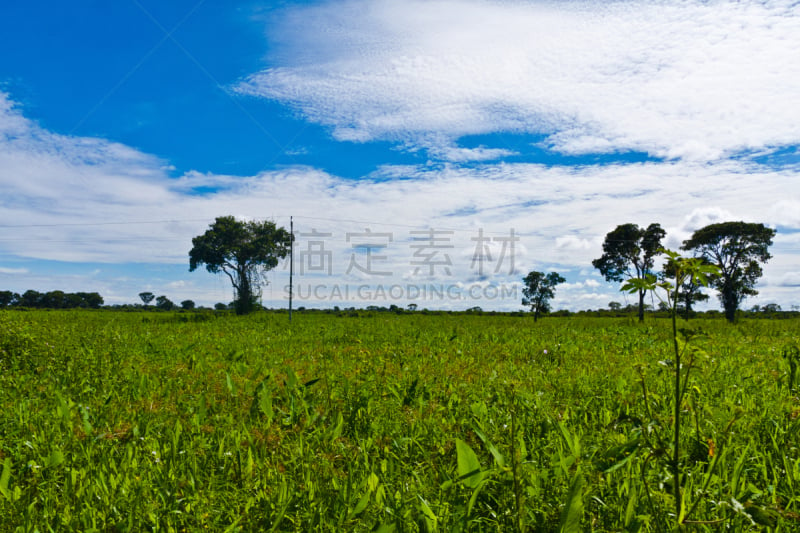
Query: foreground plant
pixel 686 271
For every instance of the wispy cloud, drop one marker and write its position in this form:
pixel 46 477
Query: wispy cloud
pixel 13 271
pixel 692 80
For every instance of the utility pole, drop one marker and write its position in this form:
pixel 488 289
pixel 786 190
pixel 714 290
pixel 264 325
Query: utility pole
pixel 291 263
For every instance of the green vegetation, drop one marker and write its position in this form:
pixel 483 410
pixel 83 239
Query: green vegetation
pixel 172 421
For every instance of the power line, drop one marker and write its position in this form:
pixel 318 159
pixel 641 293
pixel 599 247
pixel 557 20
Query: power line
pixel 366 223
pixel 122 223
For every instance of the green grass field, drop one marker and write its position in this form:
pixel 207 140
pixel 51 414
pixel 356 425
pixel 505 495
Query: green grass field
pixel 114 421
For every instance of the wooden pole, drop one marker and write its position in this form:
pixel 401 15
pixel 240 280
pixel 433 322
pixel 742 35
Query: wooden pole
pixel 291 263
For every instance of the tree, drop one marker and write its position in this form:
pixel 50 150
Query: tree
pixel 164 303
pixel 736 249
pixel 92 300
pixel 187 305
pixel 53 300
pixel 30 298
pixel 146 297
pixel 243 251
pixel 8 298
pixel 74 300
pixel 539 288
pixel 614 306
pixel 629 253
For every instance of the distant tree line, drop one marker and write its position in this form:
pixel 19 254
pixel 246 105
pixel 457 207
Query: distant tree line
pixel 32 299
pixel 163 303
pixel 51 300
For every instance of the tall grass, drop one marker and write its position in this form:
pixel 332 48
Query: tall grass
pixel 135 422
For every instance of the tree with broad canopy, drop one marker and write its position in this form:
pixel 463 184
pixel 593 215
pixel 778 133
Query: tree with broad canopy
pixel 736 248
pixel 629 253
pixel 243 251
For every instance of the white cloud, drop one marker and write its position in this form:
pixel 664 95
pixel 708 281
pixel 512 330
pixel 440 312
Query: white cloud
pixel 90 201
pixel 790 279
pixel 463 155
pixel 572 242
pixel 786 212
pixel 704 216
pixel 13 271
pixel 693 80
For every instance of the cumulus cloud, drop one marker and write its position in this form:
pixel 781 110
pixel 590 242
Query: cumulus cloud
pixel 704 216
pixel 691 80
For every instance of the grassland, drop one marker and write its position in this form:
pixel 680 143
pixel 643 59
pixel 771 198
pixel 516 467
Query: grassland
pixel 114 421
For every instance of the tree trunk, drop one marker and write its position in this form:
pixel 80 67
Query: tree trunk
pixel 730 303
pixel 730 311
pixel 244 299
pixel 641 306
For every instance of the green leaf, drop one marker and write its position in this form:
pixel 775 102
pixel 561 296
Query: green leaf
pixel 474 497
pixel 573 510
pixel 361 505
pixel 630 508
pixel 498 457
pixel 761 515
pixel 87 425
pixel 229 383
pixel 573 441
pixel 5 477
pixel 469 467
pixel 265 404
pixel 619 464
pixel 337 431
pixel 426 510
pixel 56 458
pixel 291 379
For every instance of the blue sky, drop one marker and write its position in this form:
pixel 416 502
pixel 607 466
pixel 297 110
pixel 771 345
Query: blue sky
pixel 126 127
